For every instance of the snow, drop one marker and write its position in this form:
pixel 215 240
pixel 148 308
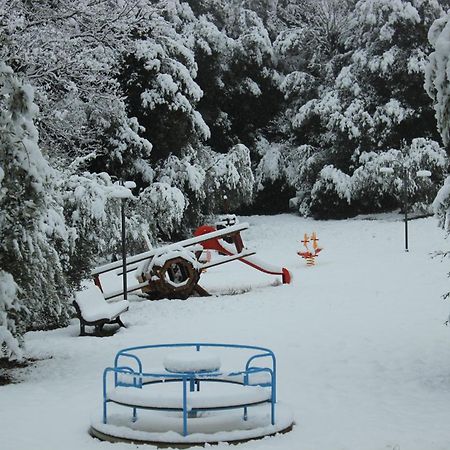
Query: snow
pixel 170 395
pixel 362 352
pixel 423 173
pixel 8 297
pixel 191 361
pixel 441 205
pixel 340 181
pixel 209 427
pixel 94 307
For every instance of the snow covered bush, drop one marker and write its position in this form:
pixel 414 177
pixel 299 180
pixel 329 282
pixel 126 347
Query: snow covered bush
pixel 229 179
pixel 331 194
pixel 10 326
pixel 426 157
pixel 441 205
pixel 285 175
pixel 32 227
pixel 188 175
pixel 205 177
pixel 163 207
pixel 378 182
pixel 272 189
pixel 375 189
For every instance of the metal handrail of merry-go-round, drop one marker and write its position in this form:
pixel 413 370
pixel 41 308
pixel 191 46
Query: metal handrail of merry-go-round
pixel 186 377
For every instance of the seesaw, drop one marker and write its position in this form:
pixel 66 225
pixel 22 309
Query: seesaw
pixel 173 271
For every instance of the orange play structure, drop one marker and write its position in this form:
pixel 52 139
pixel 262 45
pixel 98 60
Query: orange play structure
pixel 308 254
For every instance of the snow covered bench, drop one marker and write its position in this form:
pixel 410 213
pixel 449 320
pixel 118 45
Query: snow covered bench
pixel 93 310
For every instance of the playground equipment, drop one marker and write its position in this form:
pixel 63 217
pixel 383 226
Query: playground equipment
pixel 231 245
pixel 188 398
pixel 307 254
pixel 174 271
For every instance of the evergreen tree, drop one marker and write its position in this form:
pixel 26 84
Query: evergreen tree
pixel 438 88
pixel 376 101
pixel 32 227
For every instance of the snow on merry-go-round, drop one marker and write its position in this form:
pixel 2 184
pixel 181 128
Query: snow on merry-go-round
pixel 191 393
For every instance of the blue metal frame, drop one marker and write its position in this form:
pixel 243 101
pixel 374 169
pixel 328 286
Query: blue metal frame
pixel 193 378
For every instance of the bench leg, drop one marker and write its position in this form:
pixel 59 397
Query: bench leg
pixel 98 329
pixel 82 328
pixel 119 321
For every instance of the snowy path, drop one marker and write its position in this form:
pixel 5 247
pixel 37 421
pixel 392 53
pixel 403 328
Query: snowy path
pixel 363 354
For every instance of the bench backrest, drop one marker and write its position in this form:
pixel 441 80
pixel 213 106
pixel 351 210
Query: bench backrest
pixel 92 304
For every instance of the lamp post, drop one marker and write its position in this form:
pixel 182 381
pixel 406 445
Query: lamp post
pixel 124 247
pixel 405 174
pixel 124 193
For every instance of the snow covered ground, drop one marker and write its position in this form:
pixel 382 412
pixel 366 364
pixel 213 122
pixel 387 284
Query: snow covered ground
pixel 363 353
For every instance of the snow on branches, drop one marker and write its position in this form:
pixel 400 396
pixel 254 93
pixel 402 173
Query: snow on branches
pixel 32 227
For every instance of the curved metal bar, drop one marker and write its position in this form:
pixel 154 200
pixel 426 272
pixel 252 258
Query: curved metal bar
pixel 184 377
pixel 194 344
pixel 274 367
pixel 127 355
pixel 261 355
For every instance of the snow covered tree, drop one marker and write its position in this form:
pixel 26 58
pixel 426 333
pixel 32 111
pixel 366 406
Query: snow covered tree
pixel 376 101
pixel 252 97
pixel 70 52
pixel 32 227
pixel 437 81
pixel 437 84
pixel 158 80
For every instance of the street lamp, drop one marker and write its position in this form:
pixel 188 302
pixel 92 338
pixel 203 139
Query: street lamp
pixel 124 192
pixel 405 174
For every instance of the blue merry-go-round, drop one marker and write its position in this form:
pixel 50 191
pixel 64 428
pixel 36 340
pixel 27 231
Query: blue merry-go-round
pixel 191 393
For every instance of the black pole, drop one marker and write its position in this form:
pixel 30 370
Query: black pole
pixel 405 204
pixel 124 249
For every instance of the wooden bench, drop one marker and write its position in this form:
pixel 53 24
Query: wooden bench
pixel 93 310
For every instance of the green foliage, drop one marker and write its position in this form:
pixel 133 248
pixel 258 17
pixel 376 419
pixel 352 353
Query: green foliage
pixel 32 228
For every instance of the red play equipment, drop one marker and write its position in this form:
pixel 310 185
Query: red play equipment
pixel 174 270
pixel 233 246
